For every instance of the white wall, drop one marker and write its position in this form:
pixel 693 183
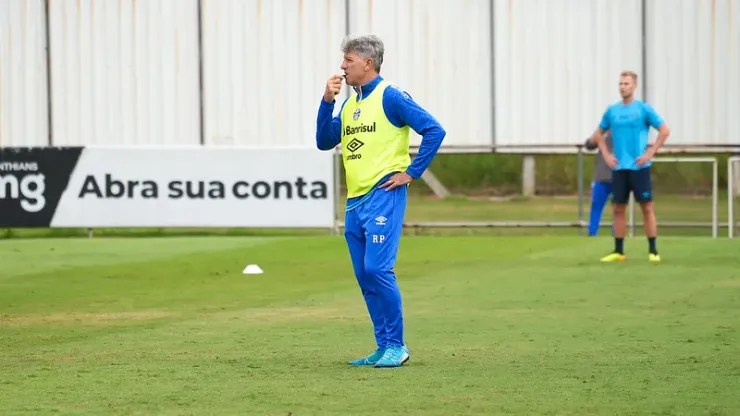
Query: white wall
pixel 440 52
pixel 693 76
pixel 265 64
pixel 125 72
pixel 128 71
pixel 557 66
pixel 24 117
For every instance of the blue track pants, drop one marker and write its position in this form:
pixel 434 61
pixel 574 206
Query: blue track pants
pixel 600 192
pixel 373 233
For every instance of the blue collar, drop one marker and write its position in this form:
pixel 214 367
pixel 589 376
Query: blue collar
pixel 367 89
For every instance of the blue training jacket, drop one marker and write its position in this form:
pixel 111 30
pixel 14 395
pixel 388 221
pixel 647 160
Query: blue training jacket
pixel 401 110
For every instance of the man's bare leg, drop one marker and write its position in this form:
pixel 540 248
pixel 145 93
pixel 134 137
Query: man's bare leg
pixel 620 220
pixel 620 227
pixel 651 225
pixel 621 188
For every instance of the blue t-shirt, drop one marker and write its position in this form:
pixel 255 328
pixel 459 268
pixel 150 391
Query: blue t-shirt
pixel 630 125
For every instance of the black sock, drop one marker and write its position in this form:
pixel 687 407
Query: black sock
pixel 651 241
pixel 619 245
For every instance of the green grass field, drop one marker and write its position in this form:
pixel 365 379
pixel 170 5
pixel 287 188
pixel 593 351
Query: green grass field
pixel 496 325
pixel 499 321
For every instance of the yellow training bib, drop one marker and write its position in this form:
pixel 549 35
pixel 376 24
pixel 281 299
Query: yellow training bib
pixel 372 146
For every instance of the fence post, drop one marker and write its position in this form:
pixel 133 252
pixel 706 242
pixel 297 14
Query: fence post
pixel 580 189
pixel 528 176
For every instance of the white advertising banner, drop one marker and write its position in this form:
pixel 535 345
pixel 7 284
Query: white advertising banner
pixel 171 187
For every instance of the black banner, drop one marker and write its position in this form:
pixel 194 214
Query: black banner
pixel 32 181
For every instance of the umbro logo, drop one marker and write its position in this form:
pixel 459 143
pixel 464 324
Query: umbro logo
pixel 380 220
pixel 354 145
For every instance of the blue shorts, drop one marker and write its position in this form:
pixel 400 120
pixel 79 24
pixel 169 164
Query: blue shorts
pixel 638 182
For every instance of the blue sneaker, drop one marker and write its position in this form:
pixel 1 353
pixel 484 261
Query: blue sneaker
pixel 394 357
pixel 370 359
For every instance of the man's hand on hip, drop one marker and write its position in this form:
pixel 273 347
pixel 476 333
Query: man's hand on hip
pixel 610 160
pixel 397 180
pixel 645 158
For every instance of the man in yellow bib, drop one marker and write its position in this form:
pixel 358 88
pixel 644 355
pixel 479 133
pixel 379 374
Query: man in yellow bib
pixel 373 128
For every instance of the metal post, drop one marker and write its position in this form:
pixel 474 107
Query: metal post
pixel 644 36
pixel 715 199
pixel 201 108
pixel 491 25
pixel 730 197
pixel 336 161
pixel 347 31
pixel 347 17
pixel 49 105
pixel 580 189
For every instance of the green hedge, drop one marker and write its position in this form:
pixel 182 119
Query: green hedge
pixel 501 174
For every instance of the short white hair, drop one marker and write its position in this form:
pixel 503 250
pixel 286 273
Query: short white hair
pixel 367 46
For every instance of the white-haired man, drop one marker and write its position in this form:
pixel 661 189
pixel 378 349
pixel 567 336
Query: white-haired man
pixel 373 129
